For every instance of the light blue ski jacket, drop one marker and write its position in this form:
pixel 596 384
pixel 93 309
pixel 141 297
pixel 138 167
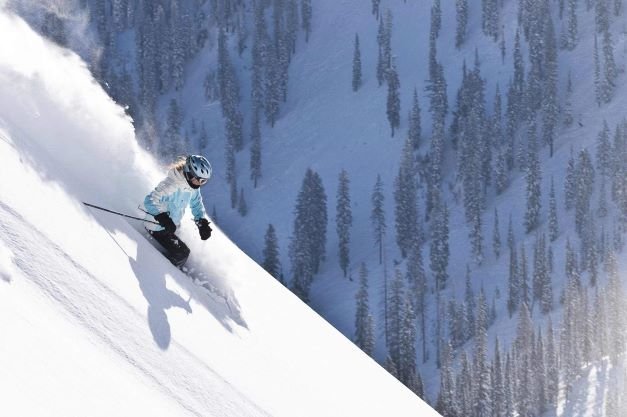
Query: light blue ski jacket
pixel 172 196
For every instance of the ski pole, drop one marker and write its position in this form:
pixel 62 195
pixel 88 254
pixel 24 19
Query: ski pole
pixel 120 214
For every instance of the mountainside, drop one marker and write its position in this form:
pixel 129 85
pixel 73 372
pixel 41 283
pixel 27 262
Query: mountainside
pixel 96 321
pixel 516 102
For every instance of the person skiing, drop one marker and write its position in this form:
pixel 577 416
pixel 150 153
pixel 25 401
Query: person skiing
pixel 168 201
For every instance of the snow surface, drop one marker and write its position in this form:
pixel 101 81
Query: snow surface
pixel 96 322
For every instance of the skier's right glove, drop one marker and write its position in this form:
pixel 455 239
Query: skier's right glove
pixel 166 222
pixel 204 229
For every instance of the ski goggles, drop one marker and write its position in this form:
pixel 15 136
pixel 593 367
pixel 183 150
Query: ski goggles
pixel 192 177
pixel 200 181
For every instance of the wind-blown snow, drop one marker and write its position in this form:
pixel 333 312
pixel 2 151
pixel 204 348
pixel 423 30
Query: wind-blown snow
pixel 96 322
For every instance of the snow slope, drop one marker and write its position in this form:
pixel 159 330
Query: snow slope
pixel 96 322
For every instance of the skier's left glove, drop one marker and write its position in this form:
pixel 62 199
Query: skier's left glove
pixel 204 229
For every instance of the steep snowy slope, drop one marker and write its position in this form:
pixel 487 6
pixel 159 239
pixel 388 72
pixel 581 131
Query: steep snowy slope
pixel 96 322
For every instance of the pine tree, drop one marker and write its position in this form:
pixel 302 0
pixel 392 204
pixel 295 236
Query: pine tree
pixel 242 207
pixel 584 189
pixel 461 14
pixel 393 100
pixel 513 297
pixel 610 71
pixel 602 18
pixel 418 288
pixel 436 19
pixel 356 65
pixel 377 215
pixel 482 406
pixel 572 37
pixel 260 52
pixel 405 197
pixel 498 383
pixel 568 104
pixel 364 325
pixel 524 282
pixel 533 179
pixel 271 262
pixel 344 220
pixel 439 255
pixel 229 94
pixel 550 108
pixel 375 8
pixel 414 122
pixel 570 185
pixel 306 15
pixel 599 87
pixel 307 245
pixel 255 150
pixel 496 235
pixel 553 224
pixel 233 192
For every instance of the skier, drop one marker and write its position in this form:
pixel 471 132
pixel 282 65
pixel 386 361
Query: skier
pixel 168 201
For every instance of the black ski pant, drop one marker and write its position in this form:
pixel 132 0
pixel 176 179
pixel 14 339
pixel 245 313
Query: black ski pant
pixel 176 250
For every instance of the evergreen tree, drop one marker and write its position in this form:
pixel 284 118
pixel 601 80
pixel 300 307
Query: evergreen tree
pixel 446 403
pixel 255 150
pixel 513 297
pixel 490 18
pixel 414 122
pixel 405 197
pixel 439 255
pixel 570 185
pixel 482 405
pixel 599 87
pixel 610 71
pixel 375 8
pixel 173 141
pixel 533 179
pixel 550 108
pixel 343 220
pixel 260 55
pixel 393 101
pixel 553 225
pixel 418 289
pixel 572 35
pixel 364 325
pixel 568 104
pixel 271 262
pixel 496 235
pixel 498 384
pixel 229 94
pixel 356 65
pixel 601 14
pixel 233 192
pixel 377 215
pixel 307 245
pixel 436 19
pixel 242 207
pixel 461 14
pixel 524 282
pixel 584 189
pixel 306 15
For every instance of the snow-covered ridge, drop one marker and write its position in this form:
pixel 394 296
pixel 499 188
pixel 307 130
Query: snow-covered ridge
pixel 96 322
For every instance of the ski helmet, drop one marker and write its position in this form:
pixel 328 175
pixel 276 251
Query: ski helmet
pixel 198 166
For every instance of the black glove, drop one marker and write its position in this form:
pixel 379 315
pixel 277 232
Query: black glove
pixel 166 222
pixel 204 229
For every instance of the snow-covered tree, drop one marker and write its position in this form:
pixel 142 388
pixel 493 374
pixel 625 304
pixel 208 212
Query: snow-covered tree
pixel 356 65
pixel 377 215
pixel 364 324
pixel 307 244
pixel 271 261
pixel 343 220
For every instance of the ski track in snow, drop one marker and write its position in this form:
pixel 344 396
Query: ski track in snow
pixel 92 304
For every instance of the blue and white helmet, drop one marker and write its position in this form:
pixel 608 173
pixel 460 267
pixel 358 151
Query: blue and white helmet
pixel 198 166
